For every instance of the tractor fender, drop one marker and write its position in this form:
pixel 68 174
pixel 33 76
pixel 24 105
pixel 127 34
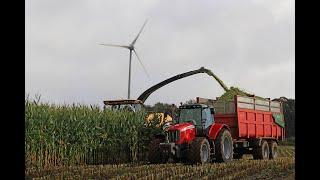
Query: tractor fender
pixel 215 129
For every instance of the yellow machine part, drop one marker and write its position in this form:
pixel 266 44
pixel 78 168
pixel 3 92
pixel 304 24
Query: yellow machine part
pixel 163 119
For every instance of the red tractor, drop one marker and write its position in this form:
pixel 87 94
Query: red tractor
pixel 219 132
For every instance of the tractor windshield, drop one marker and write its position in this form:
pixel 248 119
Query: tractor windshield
pixel 190 115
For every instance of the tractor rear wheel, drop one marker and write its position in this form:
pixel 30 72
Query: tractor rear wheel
pixel 199 151
pixel 224 146
pixel 273 146
pixel 155 154
pixel 261 152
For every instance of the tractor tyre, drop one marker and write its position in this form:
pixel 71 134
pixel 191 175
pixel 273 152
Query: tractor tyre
pixel 261 152
pixel 199 151
pixel 224 146
pixel 155 154
pixel 273 146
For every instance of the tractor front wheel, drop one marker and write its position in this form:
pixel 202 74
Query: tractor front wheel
pixel 155 154
pixel 199 151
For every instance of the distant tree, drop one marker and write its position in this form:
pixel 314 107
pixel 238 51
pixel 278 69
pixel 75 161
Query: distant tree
pixel 148 107
pixel 170 109
pixel 191 101
pixel 162 107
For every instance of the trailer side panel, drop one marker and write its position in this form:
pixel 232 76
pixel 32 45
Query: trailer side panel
pixel 249 117
pixel 256 118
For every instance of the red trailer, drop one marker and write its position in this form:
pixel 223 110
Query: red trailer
pixel 212 130
pixel 251 121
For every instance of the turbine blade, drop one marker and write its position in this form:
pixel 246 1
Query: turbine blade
pixel 134 41
pixel 114 45
pixel 141 64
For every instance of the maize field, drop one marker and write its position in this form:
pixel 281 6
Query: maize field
pixel 85 142
pixel 77 134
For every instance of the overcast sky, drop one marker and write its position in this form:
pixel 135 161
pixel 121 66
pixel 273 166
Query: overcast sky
pixel 248 44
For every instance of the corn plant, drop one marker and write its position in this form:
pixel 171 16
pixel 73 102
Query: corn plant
pixel 80 134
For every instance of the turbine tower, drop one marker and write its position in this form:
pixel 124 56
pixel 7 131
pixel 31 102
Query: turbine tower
pixel 131 48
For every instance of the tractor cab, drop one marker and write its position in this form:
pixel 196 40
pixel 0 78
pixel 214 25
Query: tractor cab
pixel 200 115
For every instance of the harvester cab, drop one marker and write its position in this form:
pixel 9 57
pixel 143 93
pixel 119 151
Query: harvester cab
pixel 135 106
pixel 123 104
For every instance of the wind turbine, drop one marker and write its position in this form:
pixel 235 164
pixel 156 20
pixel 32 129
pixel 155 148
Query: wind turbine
pixel 131 48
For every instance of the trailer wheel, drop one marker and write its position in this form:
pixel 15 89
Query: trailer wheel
pixel 155 155
pixel 273 150
pixel 224 146
pixel 261 152
pixel 199 151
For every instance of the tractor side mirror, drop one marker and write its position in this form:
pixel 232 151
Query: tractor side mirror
pixel 212 110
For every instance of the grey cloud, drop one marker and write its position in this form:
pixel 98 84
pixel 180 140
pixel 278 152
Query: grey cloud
pixel 249 44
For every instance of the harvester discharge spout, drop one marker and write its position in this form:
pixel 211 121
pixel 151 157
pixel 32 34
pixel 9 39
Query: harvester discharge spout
pixel 152 89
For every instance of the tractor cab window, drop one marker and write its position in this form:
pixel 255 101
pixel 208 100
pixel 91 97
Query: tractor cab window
pixel 207 117
pixel 190 115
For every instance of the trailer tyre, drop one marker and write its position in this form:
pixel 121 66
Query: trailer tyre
pixel 224 146
pixel 273 150
pixel 261 152
pixel 155 155
pixel 199 151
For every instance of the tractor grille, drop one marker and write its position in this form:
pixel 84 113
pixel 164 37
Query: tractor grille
pixel 173 136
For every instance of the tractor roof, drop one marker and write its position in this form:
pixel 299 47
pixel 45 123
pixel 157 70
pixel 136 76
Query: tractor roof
pixel 187 106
